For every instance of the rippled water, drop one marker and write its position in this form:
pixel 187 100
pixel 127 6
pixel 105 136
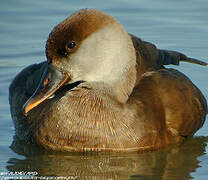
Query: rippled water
pixel 176 25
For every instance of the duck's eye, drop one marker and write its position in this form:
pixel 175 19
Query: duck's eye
pixel 71 45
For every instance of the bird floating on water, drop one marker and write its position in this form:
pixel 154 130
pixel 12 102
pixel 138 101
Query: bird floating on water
pixel 102 89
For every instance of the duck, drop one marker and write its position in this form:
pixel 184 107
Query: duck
pixel 103 89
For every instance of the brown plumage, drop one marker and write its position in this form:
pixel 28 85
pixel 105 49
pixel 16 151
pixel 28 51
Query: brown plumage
pixel 142 106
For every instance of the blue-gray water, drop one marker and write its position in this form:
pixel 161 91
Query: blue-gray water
pixel 176 25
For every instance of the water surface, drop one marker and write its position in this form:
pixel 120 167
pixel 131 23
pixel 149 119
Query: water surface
pixel 175 25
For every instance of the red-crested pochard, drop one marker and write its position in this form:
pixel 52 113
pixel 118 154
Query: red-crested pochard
pixel 103 89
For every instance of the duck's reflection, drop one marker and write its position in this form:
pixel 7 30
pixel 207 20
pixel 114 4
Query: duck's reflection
pixel 176 162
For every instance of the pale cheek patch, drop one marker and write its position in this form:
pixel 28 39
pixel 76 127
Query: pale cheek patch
pixel 103 56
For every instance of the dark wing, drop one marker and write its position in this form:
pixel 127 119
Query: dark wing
pixel 22 88
pixel 149 58
pixel 184 105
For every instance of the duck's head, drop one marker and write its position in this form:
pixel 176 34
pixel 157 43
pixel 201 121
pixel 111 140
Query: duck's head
pixel 89 47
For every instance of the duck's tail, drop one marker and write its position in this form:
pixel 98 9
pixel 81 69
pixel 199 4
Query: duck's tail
pixel 195 61
pixel 167 57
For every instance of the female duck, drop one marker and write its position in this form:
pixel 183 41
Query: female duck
pixel 102 89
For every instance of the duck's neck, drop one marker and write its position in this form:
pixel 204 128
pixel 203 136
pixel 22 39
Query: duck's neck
pixel 123 87
pixel 120 89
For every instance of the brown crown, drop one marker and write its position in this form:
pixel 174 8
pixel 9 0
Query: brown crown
pixel 75 28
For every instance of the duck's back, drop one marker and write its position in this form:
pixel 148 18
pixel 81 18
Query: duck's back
pixel 180 104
